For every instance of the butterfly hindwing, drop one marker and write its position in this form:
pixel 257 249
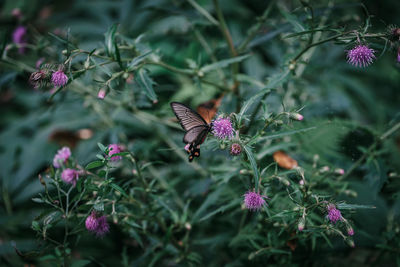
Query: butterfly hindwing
pixel 187 117
pixel 196 135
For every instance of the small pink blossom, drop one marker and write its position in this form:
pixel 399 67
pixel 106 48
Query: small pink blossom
pixel 70 176
pixel 236 149
pixel 101 94
pixel 97 224
pixel 61 157
pixel 334 214
pixel 114 149
pixel 360 56
pixel 91 222
pixel 59 78
pixel 350 231
pixel 253 201
pixel 296 116
pixel 222 128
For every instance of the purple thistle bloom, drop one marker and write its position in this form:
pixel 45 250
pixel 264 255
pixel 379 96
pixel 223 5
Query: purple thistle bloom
pixel 59 78
pixel 97 225
pixel 360 56
pixel 334 214
pixel 70 176
pixel 236 149
pixel 222 128
pixel 61 157
pixel 253 201
pixel 114 149
pixel 103 227
pixel 91 222
pixel 19 38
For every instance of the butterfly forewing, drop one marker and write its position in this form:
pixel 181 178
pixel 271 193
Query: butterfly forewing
pixel 196 135
pixel 187 117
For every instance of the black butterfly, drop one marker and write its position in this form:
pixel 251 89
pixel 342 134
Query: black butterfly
pixel 195 126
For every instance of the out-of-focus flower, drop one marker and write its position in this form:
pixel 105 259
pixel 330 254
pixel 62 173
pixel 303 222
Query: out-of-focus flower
pixel 296 116
pixel 360 56
pixel 61 157
pixel 350 230
pixel 59 78
pixel 19 38
pixel 236 149
pixel 398 55
pixel 16 12
pixel 101 94
pixel 70 176
pixel 301 224
pixel 222 128
pixel 91 222
pixel 114 149
pixel 334 214
pixel 103 227
pixel 339 171
pixel 187 146
pixel 253 201
pixel 39 62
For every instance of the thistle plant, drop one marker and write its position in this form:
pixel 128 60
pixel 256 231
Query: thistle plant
pixel 279 174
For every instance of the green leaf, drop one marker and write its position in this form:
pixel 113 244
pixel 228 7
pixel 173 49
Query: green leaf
pixel 344 206
pixel 102 147
pixel 211 199
pixel 35 226
pixel 282 134
pixel 146 83
pixel 118 188
pixel 94 164
pixel 110 40
pixel 253 164
pixel 99 206
pixel 37 200
pixel 137 60
pixel 223 63
pixel 220 209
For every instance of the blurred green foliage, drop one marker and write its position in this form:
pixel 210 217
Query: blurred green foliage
pixel 192 214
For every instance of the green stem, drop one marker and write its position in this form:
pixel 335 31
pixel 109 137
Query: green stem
pixel 370 149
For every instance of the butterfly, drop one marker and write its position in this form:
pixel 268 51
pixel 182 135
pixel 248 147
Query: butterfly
pixel 195 126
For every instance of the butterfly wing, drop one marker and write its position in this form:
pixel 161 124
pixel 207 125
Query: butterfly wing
pixel 187 117
pixel 196 135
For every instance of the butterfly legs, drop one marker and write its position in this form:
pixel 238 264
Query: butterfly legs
pixel 193 151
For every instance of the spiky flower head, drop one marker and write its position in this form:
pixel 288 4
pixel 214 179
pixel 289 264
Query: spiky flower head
pixel 61 157
pixel 37 78
pixel 236 149
pixel 334 214
pixel 360 56
pixel 222 128
pixel 70 176
pixel 103 227
pixel 253 201
pixel 59 78
pixel 114 149
pixel 91 222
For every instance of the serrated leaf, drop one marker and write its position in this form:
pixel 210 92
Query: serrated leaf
pixel 94 164
pixel 223 63
pixel 137 60
pixel 146 83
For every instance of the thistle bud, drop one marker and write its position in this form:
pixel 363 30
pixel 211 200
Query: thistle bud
pixel 350 230
pixel 296 116
pixel 101 94
pixel 301 224
pixel 339 171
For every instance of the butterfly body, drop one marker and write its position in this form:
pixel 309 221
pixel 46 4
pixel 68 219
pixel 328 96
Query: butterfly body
pixel 195 126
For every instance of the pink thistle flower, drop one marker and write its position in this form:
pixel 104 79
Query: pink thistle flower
pixel 334 214
pixel 91 222
pixel 61 157
pixel 59 78
pixel 114 149
pixel 70 176
pixel 19 38
pixel 360 56
pixel 222 128
pixel 236 149
pixel 101 94
pixel 103 227
pixel 253 201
